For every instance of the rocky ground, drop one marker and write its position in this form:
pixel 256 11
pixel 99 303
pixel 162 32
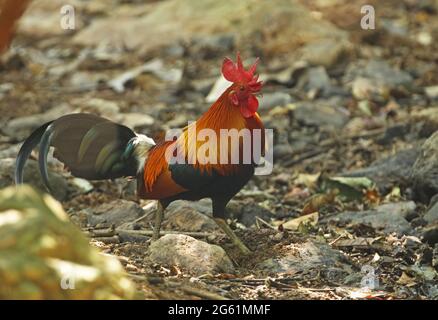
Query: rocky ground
pixel 351 208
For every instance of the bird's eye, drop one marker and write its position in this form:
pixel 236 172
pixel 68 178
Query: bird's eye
pixel 242 88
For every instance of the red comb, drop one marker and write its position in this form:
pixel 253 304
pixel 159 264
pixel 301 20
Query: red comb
pixel 235 72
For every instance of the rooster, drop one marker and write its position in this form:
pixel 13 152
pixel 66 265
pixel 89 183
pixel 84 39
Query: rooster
pixel 95 148
pixel 10 12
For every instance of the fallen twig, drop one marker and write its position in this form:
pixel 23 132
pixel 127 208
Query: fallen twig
pixel 202 293
pixel 258 219
pixel 151 232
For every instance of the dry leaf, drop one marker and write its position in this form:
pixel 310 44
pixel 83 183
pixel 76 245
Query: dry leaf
pixel 318 200
pixel 295 223
pixel 308 180
pixel 406 280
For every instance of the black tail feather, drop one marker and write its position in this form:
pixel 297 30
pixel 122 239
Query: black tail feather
pixel 26 150
pixel 91 147
pixel 45 142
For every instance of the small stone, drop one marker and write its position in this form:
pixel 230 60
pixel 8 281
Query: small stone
pixel 397 27
pixel 389 171
pixel 194 256
pixel 411 242
pixel 430 234
pixel 432 214
pixel 32 176
pixel 277 237
pixel 116 212
pixel 208 47
pixel 84 186
pixel 9 151
pixel 382 72
pixel 282 150
pixel 189 216
pixel 424 38
pixel 320 113
pixel 432 92
pixel 425 170
pixel 418 222
pixel 316 80
pixel 135 120
pixel 326 52
pixel 106 108
pixel 363 88
pixel 309 258
pixel 21 128
pixel 387 218
pixel 270 100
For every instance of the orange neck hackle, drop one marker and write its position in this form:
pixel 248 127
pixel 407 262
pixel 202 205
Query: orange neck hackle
pixel 223 114
pixel 235 109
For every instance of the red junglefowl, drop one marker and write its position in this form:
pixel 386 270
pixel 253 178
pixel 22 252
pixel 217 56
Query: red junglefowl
pixel 10 12
pixel 95 148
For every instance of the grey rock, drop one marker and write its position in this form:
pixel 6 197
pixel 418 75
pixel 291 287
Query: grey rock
pixel 190 216
pixel 326 52
pixel 386 218
pixel 270 100
pixel 32 176
pixel 20 128
pixel 213 46
pixel 195 256
pixel 387 172
pixel 282 150
pixel 403 209
pixel 135 120
pixel 428 117
pixel 10 151
pixel 175 50
pixel 202 85
pixel 432 214
pixel 379 72
pixel 369 89
pixel 320 113
pixel 393 132
pixel 116 212
pixel 395 27
pixel 154 66
pixel 384 73
pixel 290 25
pixel 316 81
pixel 105 108
pixel 425 170
pixel 309 258
pixel 430 234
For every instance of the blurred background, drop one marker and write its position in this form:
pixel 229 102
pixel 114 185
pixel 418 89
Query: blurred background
pixel 342 100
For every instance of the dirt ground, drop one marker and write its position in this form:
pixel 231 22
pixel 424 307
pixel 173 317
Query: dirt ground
pixel 327 124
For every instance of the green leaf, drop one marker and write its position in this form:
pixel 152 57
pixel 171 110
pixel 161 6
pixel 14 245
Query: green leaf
pixel 350 188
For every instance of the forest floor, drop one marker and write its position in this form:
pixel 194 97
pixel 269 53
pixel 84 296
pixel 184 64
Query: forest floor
pixel 338 218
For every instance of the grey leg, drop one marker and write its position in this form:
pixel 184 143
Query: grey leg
pixel 158 219
pixel 230 233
